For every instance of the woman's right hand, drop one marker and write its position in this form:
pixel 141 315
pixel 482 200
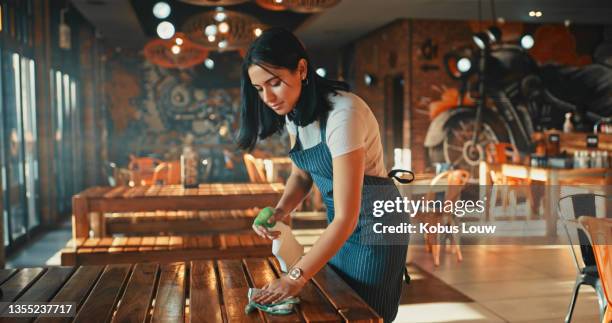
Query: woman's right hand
pixel 279 215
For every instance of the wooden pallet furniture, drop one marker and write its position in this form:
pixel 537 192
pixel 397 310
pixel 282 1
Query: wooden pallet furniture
pixel 96 201
pixel 102 249
pixel 196 291
pixel 179 222
pixel 117 250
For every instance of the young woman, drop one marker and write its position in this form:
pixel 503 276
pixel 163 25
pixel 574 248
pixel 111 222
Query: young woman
pixel 335 144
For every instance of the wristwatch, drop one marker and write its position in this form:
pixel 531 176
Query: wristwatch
pixel 295 273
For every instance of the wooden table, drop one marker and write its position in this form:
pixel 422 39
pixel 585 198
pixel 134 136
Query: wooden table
pixel 99 200
pixel 552 179
pixel 198 291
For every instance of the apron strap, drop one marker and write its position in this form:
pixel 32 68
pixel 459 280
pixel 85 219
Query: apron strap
pixel 394 174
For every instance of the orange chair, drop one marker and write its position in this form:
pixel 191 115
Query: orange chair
pixel 167 173
pixel 599 231
pixel 456 181
pixel 255 169
pixel 142 169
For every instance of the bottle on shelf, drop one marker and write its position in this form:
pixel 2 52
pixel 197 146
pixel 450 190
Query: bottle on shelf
pixel 189 163
pixel 568 126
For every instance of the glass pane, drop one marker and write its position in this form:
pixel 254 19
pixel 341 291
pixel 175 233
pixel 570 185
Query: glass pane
pixel 15 157
pixel 66 142
pixel 30 138
pixel 56 81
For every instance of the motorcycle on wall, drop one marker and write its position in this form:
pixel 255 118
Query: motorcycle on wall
pixel 514 97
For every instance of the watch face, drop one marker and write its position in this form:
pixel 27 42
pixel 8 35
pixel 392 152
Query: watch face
pixel 295 273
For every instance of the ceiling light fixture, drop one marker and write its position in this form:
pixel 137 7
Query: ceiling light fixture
pixel 209 63
pixel 527 41
pixel 165 30
pixel 321 72
pixel 161 10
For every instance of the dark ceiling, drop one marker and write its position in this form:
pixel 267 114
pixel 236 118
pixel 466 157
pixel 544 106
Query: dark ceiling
pixel 182 11
pixel 130 23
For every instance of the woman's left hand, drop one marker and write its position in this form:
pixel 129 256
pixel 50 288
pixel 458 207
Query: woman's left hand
pixel 279 289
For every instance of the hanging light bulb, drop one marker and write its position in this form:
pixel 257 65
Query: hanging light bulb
pixel 210 30
pixel 257 32
pixel 165 30
pixel 464 64
pixel 220 15
pixel 176 49
pixel 222 44
pixel 212 38
pixel 179 41
pixel 209 63
pixel 161 10
pixel 224 27
pixel 321 72
pixel 527 41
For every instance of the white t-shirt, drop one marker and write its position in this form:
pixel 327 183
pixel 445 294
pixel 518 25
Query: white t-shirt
pixel 350 125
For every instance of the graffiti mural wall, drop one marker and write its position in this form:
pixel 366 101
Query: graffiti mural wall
pixel 153 109
pixel 582 53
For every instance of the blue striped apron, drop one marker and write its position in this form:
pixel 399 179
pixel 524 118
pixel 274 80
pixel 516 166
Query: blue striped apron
pixel 373 270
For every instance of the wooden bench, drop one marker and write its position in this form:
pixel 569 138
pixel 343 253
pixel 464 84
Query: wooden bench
pixel 197 291
pixel 116 250
pixel 179 222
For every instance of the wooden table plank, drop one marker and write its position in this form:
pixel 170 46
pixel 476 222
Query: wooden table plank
pixel 170 298
pixel 47 285
pixel 102 300
pixel 15 286
pixel 6 274
pixel 342 297
pixel 204 298
pixel 138 295
pixel 218 292
pixel 234 288
pixel 75 290
pixel 44 288
pixel 260 274
pixel 314 307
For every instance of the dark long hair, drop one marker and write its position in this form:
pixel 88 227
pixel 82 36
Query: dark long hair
pixel 279 48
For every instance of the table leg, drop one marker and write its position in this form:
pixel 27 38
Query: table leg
pixel 550 206
pixel 80 220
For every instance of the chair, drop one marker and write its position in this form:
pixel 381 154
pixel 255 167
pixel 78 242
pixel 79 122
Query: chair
pixel 506 187
pixel 456 181
pixel 254 169
pixel 167 173
pixel 142 169
pixel 599 233
pixel 116 176
pixel 570 208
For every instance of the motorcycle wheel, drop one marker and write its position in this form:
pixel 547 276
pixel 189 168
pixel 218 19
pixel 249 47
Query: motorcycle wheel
pixel 457 149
